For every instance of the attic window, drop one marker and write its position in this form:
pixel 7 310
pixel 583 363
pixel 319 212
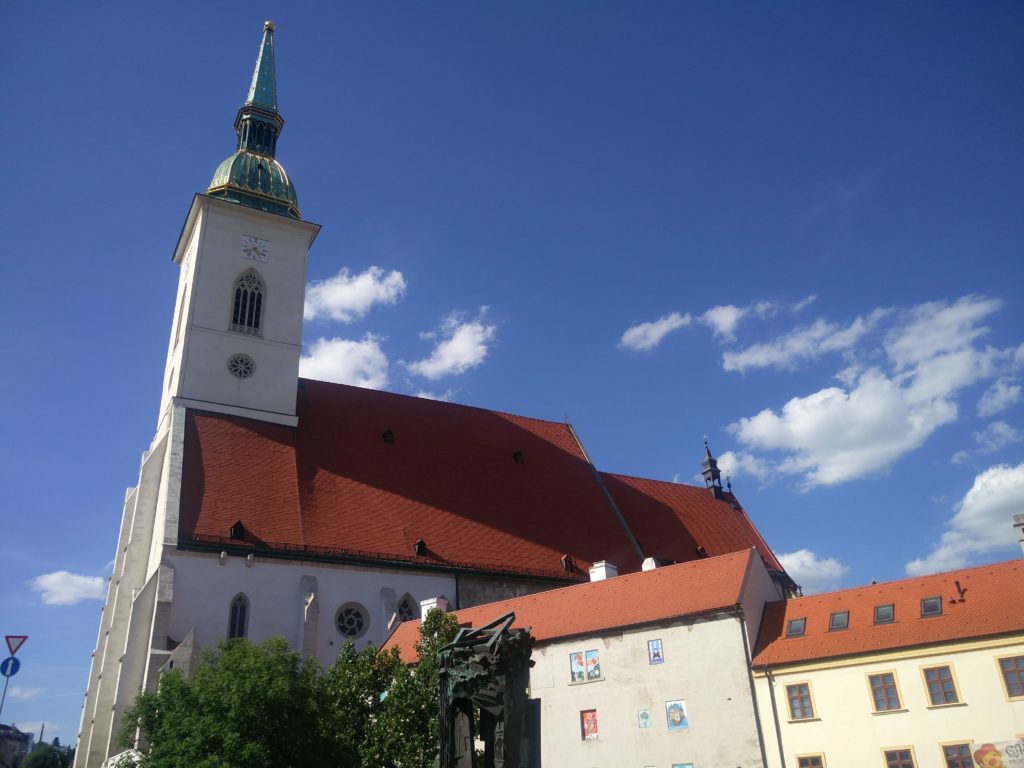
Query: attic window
pixel 931 606
pixel 567 563
pixel 237 531
pixel 420 548
pixel 517 457
pixel 838 620
pixel 795 627
pixel 388 436
pixel 701 552
pixel 885 614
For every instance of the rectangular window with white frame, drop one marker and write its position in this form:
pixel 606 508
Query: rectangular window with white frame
pixel 810 761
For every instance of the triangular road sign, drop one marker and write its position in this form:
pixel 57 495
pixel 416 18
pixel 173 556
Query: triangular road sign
pixel 14 642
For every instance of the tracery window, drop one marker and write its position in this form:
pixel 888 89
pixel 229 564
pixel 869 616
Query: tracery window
pixel 408 609
pixel 352 620
pixel 247 307
pixel 238 621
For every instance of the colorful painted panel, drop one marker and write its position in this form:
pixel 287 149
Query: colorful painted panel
pixel 588 724
pixel 593 665
pixel 675 711
pixel 655 654
pixel 644 718
pixel 577 667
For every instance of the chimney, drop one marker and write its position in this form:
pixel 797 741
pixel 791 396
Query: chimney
pixel 1018 523
pixel 602 570
pixel 441 603
pixel 649 564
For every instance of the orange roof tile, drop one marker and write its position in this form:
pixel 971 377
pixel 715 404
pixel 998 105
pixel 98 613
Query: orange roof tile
pixel 992 604
pixel 334 487
pixel 670 520
pixel 686 589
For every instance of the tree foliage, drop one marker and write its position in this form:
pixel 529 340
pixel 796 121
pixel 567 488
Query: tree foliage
pixel 47 756
pixel 264 706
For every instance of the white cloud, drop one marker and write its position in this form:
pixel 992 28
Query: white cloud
pixel 646 336
pixel 463 345
pixel 34 726
pixel 723 319
pixel 65 588
pixel 835 435
pixel 996 436
pixel 877 414
pixel 17 693
pixel 804 302
pixel 739 464
pixel 998 398
pixel 442 396
pixel 812 573
pixel 347 297
pixel 929 331
pixel 804 343
pixel 362 363
pixel 983 521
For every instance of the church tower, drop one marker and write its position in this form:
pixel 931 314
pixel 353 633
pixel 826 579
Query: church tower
pixel 237 331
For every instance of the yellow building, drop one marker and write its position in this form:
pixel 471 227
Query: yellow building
pixel 917 673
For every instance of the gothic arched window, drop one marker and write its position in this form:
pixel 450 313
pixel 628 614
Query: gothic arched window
pixel 238 620
pixel 408 609
pixel 248 304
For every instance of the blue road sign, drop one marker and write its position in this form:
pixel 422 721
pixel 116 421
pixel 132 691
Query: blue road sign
pixel 9 667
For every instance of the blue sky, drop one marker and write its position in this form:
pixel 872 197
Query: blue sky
pixel 795 228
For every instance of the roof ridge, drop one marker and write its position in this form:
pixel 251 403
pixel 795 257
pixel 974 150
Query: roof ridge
pixel 651 480
pixel 907 579
pixel 440 403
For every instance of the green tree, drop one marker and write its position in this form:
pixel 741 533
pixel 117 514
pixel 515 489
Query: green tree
pixel 251 705
pixel 408 731
pixel 45 756
pixel 351 703
pixel 263 706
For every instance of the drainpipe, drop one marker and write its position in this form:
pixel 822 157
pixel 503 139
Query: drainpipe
pixel 753 690
pixel 775 716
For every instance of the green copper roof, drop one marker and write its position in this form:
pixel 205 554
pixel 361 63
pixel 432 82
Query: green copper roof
pixel 257 181
pixel 252 176
pixel 263 91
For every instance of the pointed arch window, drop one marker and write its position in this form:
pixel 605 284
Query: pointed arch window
pixel 247 307
pixel 238 619
pixel 408 609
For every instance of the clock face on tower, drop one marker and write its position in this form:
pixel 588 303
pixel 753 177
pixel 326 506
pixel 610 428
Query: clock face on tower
pixel 254 248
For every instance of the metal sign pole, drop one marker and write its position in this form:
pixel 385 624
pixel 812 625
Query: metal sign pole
pixel 3 698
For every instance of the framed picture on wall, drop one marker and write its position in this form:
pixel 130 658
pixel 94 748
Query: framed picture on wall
pixel 644 718
pixel 675 712
pixel 588 724
pixel 655 653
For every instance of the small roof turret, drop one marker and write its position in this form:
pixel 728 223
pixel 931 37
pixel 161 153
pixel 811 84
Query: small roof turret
pixel 712 474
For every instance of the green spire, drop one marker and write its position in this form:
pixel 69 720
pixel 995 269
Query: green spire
pixel 263 91
pixel 252 176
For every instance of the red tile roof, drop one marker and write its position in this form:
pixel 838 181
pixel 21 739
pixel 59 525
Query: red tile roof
pixel 670 520
pixel 992 604
pixel 687 589
pixel 333 485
